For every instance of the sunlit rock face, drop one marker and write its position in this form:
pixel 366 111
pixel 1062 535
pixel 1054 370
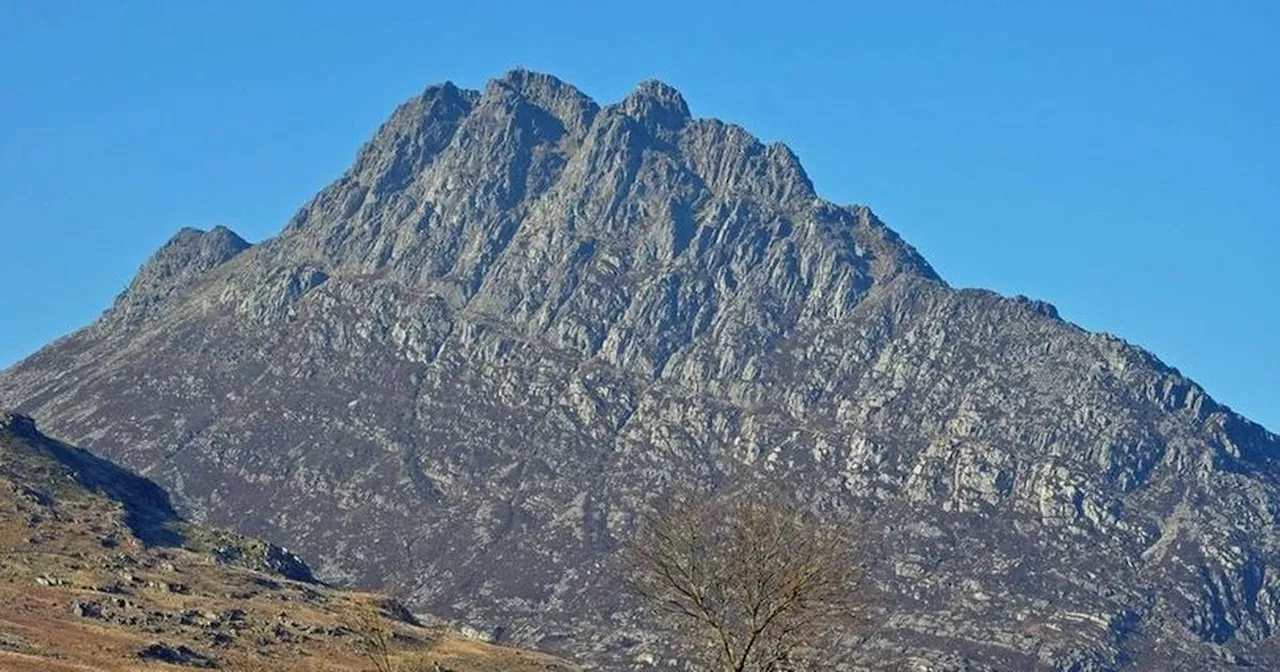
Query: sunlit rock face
pixel 462 367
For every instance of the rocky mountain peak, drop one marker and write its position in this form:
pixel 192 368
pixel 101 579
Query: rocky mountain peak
pixel 177 265
pixel 657 102
pixel 475 194
pixel 566 103
pixel 211 247
pixel 407 142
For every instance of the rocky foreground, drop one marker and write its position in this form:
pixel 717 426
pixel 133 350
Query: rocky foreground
pixel 97 572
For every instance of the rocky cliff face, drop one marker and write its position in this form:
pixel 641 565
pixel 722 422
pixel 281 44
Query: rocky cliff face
pixel 462 367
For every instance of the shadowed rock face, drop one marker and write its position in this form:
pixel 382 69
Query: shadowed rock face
pixel 463 366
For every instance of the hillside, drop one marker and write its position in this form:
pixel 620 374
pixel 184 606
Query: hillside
pixel 97 572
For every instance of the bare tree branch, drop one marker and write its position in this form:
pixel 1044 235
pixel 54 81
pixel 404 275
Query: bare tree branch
pixel 752 583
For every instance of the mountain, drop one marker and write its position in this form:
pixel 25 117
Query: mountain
pixel 99 572
pixel 461 368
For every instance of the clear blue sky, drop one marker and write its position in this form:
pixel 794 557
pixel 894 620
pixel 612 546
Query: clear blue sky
pixel 1121 160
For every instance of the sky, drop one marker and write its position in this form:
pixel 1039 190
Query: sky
pixel 1119 160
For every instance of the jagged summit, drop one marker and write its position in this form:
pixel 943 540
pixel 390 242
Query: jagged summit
pixel 177 265
pixel 463 367
pixel 572 108
pixel 196 247
pixel 655 101
pixel 471 195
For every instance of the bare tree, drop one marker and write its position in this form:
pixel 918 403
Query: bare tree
pixel 751 583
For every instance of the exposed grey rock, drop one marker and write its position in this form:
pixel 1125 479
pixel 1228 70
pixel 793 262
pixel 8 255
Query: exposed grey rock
pixel 176 266
pixel 180 655
pixel 86 609
pixel 462 367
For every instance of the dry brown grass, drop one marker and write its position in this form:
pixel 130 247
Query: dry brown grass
pixel 244 620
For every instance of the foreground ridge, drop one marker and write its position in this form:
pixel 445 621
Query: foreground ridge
pixel 97 570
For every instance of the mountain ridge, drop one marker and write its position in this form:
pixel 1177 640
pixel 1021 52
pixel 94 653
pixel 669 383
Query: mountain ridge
pixel 464 366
